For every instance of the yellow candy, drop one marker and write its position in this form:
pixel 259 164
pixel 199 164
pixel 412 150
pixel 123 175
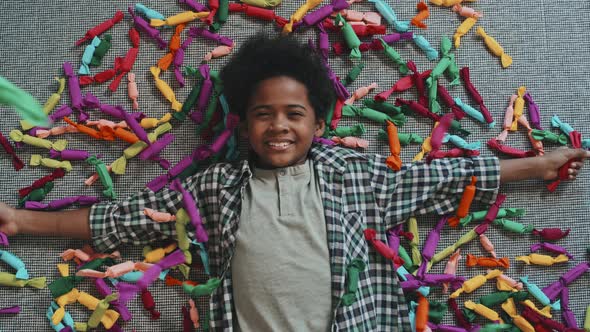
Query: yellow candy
pixel 64 269
pixel 518 108
pixel 165 89
pixel 91 302
pixel 448 3
pixel 37 160
pixel 157 254
pixel 503 285
pixel 298 15
pixel 426 147
pixel 462 29
pixel 545 312
pixel 119 165
pixel 148 123
pixel 68 298
pixel 177 19
pixel 543 260
pixel 483 311
pixel 475 282
pixel 495 48
pixel 518 320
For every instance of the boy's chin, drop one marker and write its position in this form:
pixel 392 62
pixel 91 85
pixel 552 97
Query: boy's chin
pixel 278 162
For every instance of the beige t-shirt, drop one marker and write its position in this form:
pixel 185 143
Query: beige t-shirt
pixel 281 265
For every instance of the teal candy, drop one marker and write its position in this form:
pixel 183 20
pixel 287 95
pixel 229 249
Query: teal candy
pixel 461 143
pixel 148 12
pixel 565 127
pixel 472 112
pixel 424 45
pixel 87 56
pixel 539 295
pixel 387 12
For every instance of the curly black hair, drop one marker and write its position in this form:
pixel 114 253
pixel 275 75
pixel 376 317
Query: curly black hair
pixel 262 57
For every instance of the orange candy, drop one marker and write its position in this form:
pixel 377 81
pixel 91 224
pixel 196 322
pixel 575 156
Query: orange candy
pixel 394 161
pixel 465 203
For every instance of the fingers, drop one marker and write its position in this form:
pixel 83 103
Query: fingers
pixel 581 153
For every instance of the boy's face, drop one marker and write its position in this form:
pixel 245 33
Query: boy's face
pixel 281 123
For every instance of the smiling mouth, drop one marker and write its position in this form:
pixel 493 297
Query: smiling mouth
pixel 279 146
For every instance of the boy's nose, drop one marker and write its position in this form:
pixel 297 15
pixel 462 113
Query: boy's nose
pixel 279 123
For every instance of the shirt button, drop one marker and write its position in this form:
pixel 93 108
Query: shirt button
pixel 282 172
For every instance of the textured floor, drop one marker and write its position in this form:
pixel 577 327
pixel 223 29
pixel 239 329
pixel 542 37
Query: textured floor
pixel 548 41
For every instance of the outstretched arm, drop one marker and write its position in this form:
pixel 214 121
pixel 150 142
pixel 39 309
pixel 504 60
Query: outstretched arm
pixel 71 224
pixel 545 167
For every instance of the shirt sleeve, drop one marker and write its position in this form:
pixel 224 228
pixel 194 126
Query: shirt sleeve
pixel 124 222
pixel 420 188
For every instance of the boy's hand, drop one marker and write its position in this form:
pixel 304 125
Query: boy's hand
pixel 553 160
pixel 8 224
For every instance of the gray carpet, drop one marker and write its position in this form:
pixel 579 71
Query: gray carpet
pixel 548 41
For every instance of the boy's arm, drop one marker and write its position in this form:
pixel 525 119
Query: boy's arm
pixel 71 224
pixel 545 167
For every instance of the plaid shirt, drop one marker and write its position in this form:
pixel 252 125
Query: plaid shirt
pixel 359 191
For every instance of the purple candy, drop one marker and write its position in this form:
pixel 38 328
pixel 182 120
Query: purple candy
pixel 566 312
pixel 490 215
pixel 323 41
pixel 445 328
pixel 105 290
pixel 534 112
pixel 69 154
pixel 32 205
pixel 393 239
pixel 324 141
pixel 190 205
pixel 156 147
pixel 10 310
pixel 206 88
pixel 551 247
pixel 4 239
pixel 437 279
pixel 194 5
pixel 430 245
pixel 200 32
pixel 134 125
pixel 341 91
pixel 319 15
pixel 144 26
pixel 158 183
pixel 58 114
pixel 73 86
pixel 179 60
pixel 175 258
pixel 91 101
pixel 220 141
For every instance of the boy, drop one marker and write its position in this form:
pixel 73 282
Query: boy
pixel 285 226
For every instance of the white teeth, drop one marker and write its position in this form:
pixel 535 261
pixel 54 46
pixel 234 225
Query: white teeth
pixel 279 145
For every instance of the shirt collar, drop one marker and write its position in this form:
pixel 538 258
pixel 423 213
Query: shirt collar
pixel 331 156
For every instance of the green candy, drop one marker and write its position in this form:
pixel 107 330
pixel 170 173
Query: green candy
pixel 101 50
pixel 497 328
pixel 503 212
pixel 212 106
pixel 408 264
pixel 384 107
pixel 394 56
pixel 374 115
pixel 404 139
pixel 104 176
pixel 352 40
pixel 436 311
pixel 329 116
pixel 37 195
pixel 189 103
pixel 497 298
pixel 513 226
pixel 356 130
pixel 223 11
pixel 433 104
pixel 549 136
pixel 63 285
pixel 352 280
pixel 98 262
pixel 202 289
pixel 469 314
pixel 354 73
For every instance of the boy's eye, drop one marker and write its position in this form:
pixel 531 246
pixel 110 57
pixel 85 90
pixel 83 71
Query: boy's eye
pixel 295 114
pixel 261 114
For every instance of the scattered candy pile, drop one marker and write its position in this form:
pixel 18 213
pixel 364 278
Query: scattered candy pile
pixel 201 106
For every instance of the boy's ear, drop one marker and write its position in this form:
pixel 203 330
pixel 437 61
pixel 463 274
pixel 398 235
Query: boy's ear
pixel 320 128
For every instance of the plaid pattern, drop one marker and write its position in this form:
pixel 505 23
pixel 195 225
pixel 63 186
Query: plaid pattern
pixel 358 191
